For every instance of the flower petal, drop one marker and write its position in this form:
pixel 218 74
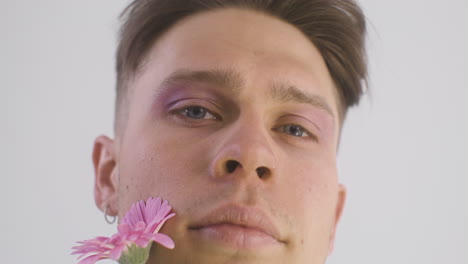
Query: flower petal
pixel 163 239
pixel 144 240
pixel 117 251
pixel 160 224
pixel 91 259
pixel 152 208
pixel 97 245
pixel 124 229
pixel 135 214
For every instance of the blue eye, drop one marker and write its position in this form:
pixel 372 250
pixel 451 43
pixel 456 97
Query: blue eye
pixel 197 112
pixel 294 130
pixel 297 131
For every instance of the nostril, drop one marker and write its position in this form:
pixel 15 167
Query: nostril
pixel 231 165
pixel 262 172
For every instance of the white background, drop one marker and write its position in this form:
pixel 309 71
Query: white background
pixel 403 156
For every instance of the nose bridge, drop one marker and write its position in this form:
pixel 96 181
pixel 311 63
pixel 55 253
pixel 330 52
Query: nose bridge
pixel 246 147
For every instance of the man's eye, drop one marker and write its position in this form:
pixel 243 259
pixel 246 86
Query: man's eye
pixel 297 131
pixel 294 130
pixel 197 112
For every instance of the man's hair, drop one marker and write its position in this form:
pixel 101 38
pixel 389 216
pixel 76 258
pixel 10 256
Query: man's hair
pixel 336 27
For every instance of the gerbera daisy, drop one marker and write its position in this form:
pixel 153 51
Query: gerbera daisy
pixel 136 232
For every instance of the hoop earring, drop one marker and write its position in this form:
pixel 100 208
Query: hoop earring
pixel 106 217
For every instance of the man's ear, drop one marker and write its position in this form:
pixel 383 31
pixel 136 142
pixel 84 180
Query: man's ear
pixel 106 175
pixel 338 211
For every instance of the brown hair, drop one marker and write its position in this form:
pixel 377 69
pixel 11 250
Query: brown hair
pixel 336 27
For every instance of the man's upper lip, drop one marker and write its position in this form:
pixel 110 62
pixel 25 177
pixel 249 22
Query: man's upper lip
pixel 248 217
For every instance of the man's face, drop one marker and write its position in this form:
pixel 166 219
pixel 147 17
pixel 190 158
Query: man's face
pixel 234 120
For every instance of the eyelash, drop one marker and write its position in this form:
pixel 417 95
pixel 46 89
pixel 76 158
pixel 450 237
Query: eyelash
pixel 181 111
pixel 304 130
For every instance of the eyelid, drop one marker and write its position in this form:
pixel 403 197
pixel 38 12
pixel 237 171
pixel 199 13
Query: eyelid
pixel 310 135
pixel 178 107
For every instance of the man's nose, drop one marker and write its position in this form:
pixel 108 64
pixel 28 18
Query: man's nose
pixel 245 150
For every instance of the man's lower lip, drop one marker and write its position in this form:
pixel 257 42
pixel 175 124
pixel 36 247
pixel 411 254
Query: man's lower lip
pixel 235 236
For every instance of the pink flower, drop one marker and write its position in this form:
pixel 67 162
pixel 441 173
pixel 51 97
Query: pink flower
pixel 140 227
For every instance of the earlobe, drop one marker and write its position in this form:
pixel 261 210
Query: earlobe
pixel 338 212
pixel 106 174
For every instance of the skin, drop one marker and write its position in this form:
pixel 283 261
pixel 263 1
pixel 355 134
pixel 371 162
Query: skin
pixel 171 148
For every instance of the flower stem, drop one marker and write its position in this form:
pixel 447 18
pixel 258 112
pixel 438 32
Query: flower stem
pixel 135 255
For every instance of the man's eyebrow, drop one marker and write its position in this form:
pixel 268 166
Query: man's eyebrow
pixel 282 92
pixel 228 79
pixel 288 93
